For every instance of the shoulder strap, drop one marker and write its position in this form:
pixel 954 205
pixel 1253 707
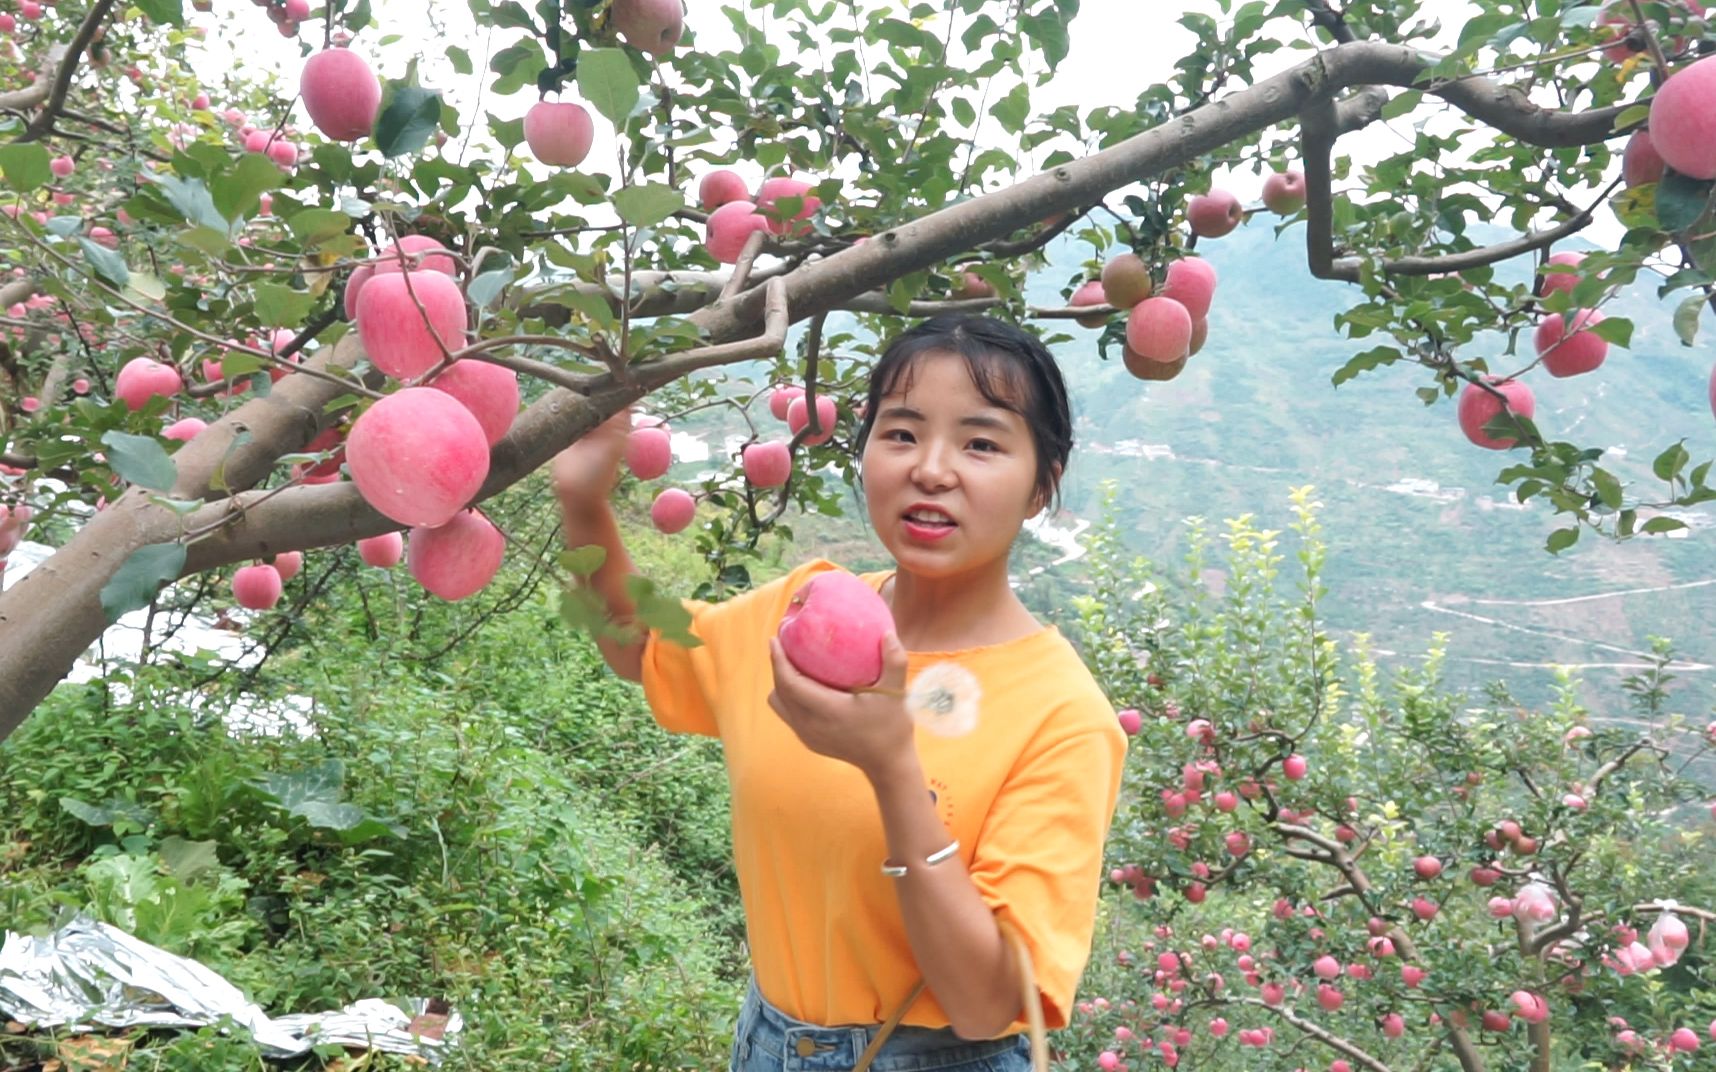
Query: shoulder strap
pixel 1028 995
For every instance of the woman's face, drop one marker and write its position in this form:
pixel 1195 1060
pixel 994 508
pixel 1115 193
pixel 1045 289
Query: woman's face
pixel 949 478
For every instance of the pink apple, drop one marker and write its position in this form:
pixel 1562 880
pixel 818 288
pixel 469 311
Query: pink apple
pixel 1237 843
pixel 649 452
pixel 652 26
pixel 1294 767
pixel 1570 351
pixel 798 418
pixel 288 564
pixel 1684 1039
pixel 1214 214
pixel 1284 192
pixel 1126 281
pixel 1090 292
pixel 1683 120
pixel 395 334
pixel 767 465
pixel 257 141
pixel 1226 801
pixel 1548 282
pixel 773 190
pixel 1640 162
pixel 458 558
pixel 1159 329
pixel 489 391
pixel 1191 281
pixel 833 630
pixel 719 187
pixel 1427 867
pixel 729 228
pixel 412 253
pixel 382 552
pixel 672 510
pixel 1423 909
pixel 1326 967
pixel 62 166
pixel 418 456
pixel 341 94
pixel 283 152
pixel 1412 975
pixel 1479 407
pixel 256 587
pixel 143 378
pixel 559 133
pixel 780 400
pixel 1393 1025
pixel 185 429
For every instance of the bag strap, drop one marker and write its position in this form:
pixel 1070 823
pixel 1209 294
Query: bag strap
pixel 1027 995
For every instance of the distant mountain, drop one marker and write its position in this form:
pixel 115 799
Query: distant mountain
pixel 1421 538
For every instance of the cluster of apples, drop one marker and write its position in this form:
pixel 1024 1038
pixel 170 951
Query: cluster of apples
pixel 1163 329
pixel 735 213
pixel 284 14
pixel 260 585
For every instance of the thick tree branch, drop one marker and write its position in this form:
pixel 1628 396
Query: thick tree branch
pixel 20 100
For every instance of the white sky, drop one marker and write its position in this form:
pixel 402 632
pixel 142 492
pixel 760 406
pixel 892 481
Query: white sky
pixel 1118 48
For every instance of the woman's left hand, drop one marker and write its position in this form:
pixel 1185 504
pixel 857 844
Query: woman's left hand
pixel 870 730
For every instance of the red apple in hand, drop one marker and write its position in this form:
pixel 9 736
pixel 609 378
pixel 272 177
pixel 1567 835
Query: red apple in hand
pixel 833 630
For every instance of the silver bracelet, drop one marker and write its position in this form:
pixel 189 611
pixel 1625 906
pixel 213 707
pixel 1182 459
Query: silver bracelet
pixel 929 861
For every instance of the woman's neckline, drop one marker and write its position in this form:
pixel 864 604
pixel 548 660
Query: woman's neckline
pixel 880 581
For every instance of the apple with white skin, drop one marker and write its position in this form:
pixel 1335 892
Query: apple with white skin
pixel 559 133
pixel 1284 192
pixel 1214 214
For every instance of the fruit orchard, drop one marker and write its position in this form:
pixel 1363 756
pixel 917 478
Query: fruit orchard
pixel 245 322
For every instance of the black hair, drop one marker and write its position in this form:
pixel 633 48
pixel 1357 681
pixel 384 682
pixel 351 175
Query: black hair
pixel 1010 367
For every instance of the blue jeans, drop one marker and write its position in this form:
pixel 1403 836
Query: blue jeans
pixel 768 1040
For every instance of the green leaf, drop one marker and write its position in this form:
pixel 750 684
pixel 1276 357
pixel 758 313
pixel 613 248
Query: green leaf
pixel 1658 525
pixel 281 306
pixel 25 166
pixel 460 59
pixel 141 460
pixel 238 192
pixel 313 226
pixel 1370 360
pixel 1402 104
pixel 1631 117
pixel 205 240
pixel 163 12
pixel 193 201
pixel 1608 488
pixel 409 117
pixel 486 287
pixel 108 263
pixel 146 286
pixel 1670 462
pixel 149 569
pixel 1686 318
pixel 660 613
pixel 313 794
pixel 1561 539
pixel 1680 200
pixel 113 810
pixel 647 205
pixel 1616 329
pixel 585 560
pixel 186 860
pixel 606 79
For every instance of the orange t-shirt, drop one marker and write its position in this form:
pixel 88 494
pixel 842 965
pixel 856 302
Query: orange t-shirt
pixel 1029 793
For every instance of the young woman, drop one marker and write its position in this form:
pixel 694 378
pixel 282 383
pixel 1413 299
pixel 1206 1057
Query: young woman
pixel 891 870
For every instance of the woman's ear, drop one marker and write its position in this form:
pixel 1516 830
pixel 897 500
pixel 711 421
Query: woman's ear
pixel 1040 501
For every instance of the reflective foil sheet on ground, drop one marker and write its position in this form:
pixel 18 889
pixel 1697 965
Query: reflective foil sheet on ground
pixel 88 974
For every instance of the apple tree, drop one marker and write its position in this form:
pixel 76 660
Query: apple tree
pixel 243 320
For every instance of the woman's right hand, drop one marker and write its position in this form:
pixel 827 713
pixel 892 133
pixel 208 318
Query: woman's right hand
pixel 586 471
